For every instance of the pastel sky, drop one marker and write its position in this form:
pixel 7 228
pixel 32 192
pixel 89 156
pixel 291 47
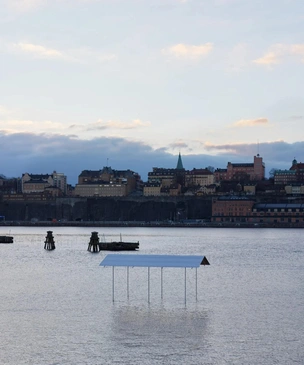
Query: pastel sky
pixel 131 83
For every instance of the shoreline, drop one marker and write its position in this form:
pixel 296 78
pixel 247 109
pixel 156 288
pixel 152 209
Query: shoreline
pixel 150 224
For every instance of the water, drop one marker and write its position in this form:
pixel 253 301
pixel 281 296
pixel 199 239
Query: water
pixel 56 307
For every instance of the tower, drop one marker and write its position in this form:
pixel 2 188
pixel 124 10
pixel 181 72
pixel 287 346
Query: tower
pixel 179 165
pixel 180 172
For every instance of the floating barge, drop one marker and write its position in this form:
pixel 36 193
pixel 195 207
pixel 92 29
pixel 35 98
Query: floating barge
pixel 96 246
pixel 119 246
pixel 6 239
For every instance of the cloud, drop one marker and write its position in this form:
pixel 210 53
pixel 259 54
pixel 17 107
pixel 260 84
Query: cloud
pixel 42 153
pixel 251 122
pixel 111 124
pixel 188 51
pixel 39 51
pixel 78 55
pixel 179 145
pixel 277 154
pixel 269 58
pixel 279 52
pixel 15 126
pixel 298 49
pixel 4 111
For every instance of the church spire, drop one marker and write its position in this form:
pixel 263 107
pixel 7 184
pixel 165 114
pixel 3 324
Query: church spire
pixel 179 165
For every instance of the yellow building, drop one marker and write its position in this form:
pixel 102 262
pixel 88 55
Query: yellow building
pixel 152 189
pixel 100 190
pixel 199 177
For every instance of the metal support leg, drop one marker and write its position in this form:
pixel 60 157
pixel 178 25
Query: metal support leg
pixel 185 285
pixel 196 283
pixel 161 283
pixel 128 282
pixel 113 283
pixel 148 284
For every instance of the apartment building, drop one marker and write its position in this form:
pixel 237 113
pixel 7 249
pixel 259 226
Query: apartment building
pixel 38 183
pixel 294 175
pixel 199 177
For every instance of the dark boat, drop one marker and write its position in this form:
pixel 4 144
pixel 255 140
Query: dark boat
pixel 6 239
pixel 119 245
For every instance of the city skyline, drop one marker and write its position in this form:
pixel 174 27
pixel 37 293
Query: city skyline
pixel 131 84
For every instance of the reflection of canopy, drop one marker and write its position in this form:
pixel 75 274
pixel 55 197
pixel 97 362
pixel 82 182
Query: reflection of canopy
pixel 153 261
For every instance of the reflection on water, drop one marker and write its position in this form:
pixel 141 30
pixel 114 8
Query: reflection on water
pixel 56 307
pixel 160 333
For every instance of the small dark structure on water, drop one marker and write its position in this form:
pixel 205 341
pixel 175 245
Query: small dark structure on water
pixel 119 245
pixel 49 243
pixel 6 239
pixel 94 243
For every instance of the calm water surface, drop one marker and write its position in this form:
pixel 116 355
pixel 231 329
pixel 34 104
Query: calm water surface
pixel 56 307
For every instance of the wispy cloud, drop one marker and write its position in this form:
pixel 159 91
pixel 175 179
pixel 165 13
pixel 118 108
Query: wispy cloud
pixel 12 126
pixel 251 122
pixel 39 51
pixel 298 49
pixel 187 51
pixel 111 124
pixel 179 145
pixel 279 52
pixel 270 58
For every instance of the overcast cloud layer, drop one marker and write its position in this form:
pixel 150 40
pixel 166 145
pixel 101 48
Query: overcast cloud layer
pixel 42 153
pixel 131 83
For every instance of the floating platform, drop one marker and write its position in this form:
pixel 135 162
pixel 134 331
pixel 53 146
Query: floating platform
pixel 6 239
pixel 119 246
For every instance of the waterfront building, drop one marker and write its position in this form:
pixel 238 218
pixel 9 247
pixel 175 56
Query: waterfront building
pixel 280 213
pixel 242 171
pixel 177 181
pixel 9 185
pixel 232 209
pixel 38 183
pixel 249 188
pixel 60 181
pixel 152 189
pixel 163 181
pixel 101 190
pixel 294 189
pixel 283 177
pixel 207 189
pixel 162 176
pixel 199 177
pixel 294 175
pixel 106 182
pixel 240 209
pixel 298 167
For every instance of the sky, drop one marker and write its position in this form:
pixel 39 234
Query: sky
pixel 131 83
